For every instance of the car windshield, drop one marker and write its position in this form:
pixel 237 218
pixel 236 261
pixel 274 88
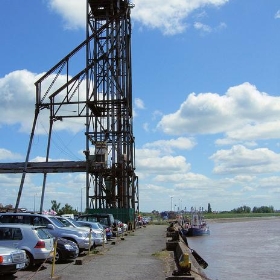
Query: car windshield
pixel 65 222
pixel 57 222
pixel 93 225
pixel 99 226
pixel 74 222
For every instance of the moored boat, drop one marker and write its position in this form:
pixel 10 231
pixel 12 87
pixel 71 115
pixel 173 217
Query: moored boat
pixel 197 225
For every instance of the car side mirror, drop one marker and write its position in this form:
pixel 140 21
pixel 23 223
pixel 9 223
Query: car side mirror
pixel 50 226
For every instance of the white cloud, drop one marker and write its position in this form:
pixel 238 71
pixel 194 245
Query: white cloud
pixel 240 160
pixel 166 164
pixel 151 162
pixel 272 182
pixel 157 114
pixel 168 16
pixel 8 155
pixel 139 103
pixel 168 146
pixel 200 15
pixel 243 113
pixel 18 95
pixel 265 130
pixel 185 180
pixel 146 127
pixel 73 12
pixel 202 27
pixel 277 15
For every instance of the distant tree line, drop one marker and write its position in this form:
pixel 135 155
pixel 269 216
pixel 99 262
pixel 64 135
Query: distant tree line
pixel 66 209
pixel 247 209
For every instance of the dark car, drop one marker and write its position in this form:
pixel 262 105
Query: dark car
pixel 66 250
pixel 102 218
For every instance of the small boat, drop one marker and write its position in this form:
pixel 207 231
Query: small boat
pixel 197 225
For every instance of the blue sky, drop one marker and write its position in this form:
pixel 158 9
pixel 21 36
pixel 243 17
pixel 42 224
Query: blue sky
pixel 206 85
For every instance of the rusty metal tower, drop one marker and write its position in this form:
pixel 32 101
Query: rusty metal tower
pixel 109 128
pixel 100 94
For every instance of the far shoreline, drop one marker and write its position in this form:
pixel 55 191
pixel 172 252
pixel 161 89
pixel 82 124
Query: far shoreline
pixel 240 219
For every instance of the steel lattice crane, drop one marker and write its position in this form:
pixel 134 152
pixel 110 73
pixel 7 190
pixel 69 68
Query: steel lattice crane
pixel 101 94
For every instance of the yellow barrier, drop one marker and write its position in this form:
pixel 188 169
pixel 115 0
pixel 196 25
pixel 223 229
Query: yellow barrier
pixel 184 261
pixel 53 260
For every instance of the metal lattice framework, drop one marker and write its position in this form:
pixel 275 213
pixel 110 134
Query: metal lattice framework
pixel 109 124
pixel 100 94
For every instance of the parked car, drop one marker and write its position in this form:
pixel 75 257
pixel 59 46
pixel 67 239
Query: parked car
pixel 96 235
pixel 106 231
pixel 35 241
pixel 106 220
pixel 102 218
pixel 68 222
pixel 53 225
pixel 66 250
pixel 121 225
pixel 11 260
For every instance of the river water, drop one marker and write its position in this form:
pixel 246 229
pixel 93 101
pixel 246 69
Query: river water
pixel 247 249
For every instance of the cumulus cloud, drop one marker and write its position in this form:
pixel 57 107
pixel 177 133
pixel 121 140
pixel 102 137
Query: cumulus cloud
pixel 151 162
pixel 8 155
pixel 277 15
pixel 204 28
pixel 185 180
pixel 241 160
pixel 139 103
pixel 73 13
pixel 18 95
pixel 168 16
pixel 168 146
pixel 157 114
pixel 243 114
pixel 146 127
pixel 270 182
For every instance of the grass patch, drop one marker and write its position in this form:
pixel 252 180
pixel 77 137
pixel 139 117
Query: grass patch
pixel 167 259
pixel 161 254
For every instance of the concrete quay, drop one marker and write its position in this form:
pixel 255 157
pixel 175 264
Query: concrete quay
pixel 137 255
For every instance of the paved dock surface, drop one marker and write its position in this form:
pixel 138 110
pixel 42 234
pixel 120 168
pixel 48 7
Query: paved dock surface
pixel 130 259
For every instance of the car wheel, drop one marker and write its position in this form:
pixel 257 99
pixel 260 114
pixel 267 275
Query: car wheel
pixel 29 260
pixel 58 256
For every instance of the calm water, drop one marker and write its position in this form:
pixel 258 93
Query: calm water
pixel 247 250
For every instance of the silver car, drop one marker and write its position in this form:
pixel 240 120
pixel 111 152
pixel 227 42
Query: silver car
pixel 35 241
pixel 11 260
pixel 55 227
pixel 97 235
